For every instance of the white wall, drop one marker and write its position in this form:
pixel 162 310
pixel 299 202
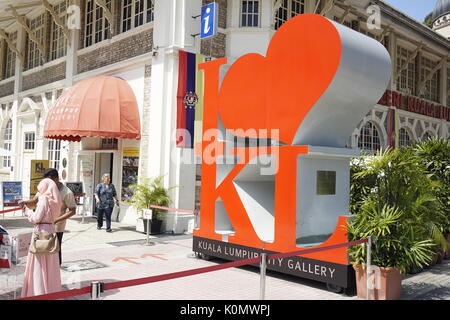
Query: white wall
pixel 318 214
pixel 135 78
pixel 241 41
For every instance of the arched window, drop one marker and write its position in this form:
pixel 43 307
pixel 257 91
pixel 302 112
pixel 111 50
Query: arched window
pixel 427 135
pixel 404 139
pixel 369 138
pixel 7 144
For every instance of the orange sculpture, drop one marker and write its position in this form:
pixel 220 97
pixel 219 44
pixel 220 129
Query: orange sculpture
pixel 300 97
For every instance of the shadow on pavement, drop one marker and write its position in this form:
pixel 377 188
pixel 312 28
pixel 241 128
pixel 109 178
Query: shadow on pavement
pixel 287 277
pixel 440 293
pixel 155 239
pixel 87 283
pixel 16 223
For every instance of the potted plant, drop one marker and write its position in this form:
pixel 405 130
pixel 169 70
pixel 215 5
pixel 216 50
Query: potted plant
pixel 434 154
pixel 394 249
pixel 150 191
pixel 392 200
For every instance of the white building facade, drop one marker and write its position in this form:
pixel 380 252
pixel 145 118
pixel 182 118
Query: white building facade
pixel 42 53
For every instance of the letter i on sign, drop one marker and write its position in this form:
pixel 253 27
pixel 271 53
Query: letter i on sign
pixel 209 20
pixel 206 19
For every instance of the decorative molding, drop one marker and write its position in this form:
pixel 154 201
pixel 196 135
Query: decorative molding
pixel 11 45
pixel 329 4
pixel 408 61
pixel 107 13
pixel 386 30
pixel 442 21
pixel 432 73
pixel 57 19
pixel 21 20
pixel 348 8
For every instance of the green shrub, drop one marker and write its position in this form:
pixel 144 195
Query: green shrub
pixel 393 198
pixel 151 191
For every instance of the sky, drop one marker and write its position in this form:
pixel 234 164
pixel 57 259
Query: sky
pixel 417 9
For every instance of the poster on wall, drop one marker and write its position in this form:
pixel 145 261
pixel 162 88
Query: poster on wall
pixel 130 168
pixel 12 193
pixel 86 176
pixel 38 168
pixel 77 189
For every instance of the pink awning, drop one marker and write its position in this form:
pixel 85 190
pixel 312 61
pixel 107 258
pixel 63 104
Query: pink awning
pixel 96 107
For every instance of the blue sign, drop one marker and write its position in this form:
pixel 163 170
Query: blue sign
pixel 210 14
pixel 12 193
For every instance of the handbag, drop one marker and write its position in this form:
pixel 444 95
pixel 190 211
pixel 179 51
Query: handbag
pixel 116 212
pixel 44 243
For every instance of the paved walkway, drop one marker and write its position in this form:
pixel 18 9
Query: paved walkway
pixel 123 255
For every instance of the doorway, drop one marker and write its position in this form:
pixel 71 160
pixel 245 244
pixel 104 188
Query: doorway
pixel 103 164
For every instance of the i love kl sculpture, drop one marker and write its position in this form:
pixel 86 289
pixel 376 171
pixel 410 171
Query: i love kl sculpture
pixel 305 96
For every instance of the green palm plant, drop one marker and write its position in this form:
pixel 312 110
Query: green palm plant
pixel 393 200
pixel 151 191
pixel 434 154
pixel 395 245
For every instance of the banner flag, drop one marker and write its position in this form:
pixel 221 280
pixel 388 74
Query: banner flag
pixel 189 98
pixel 199 107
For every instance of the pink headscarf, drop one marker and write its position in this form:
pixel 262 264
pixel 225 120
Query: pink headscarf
pixel 49 189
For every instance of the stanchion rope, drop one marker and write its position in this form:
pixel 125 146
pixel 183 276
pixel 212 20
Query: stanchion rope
pixel 10 210
pixel 180 274
pixel 174 209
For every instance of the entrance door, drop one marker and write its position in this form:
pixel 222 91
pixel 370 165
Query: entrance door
pixel 103 164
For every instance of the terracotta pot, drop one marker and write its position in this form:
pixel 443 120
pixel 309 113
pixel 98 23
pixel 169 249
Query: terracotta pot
pixel 387 287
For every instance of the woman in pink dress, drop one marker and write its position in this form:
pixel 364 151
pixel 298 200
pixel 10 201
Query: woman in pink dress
pixel 42 274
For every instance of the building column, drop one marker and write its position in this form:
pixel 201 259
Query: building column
pixel 444 96
pixel 392 49
pixel 161 155
pixel 69 173
pixel 2 57
pixel 444 85
pixel 72 48
pixel 16 146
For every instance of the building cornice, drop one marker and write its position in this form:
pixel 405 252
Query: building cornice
pixel 411 23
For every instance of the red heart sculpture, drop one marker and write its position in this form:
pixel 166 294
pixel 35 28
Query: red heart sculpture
pixel 277 91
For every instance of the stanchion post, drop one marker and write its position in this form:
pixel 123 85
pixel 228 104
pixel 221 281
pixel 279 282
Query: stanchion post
pixel 196 219
pixel 263 267
pixel 368 268
pixel 148 231
pixel 96 289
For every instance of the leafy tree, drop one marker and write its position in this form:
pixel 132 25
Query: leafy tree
pixel 429 20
